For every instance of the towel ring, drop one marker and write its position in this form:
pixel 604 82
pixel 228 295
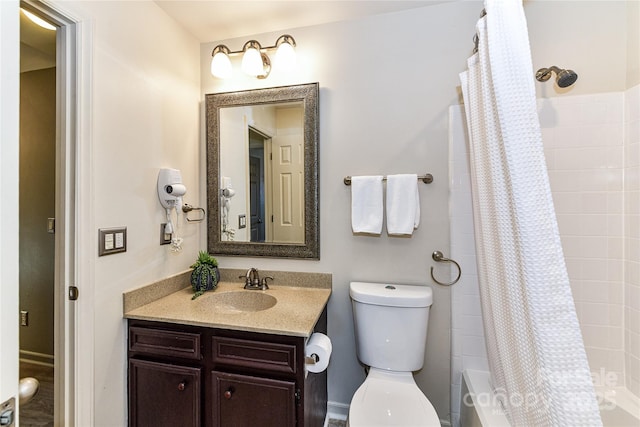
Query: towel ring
pixel 438 257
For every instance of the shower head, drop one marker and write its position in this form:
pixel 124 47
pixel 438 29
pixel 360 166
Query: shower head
pixel 564 78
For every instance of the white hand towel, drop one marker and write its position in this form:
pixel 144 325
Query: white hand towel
pixel 366 204
pixel 403 204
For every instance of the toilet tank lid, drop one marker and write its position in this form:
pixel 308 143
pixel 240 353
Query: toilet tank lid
pixel 390 294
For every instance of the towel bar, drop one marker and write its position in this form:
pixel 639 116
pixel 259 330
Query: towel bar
pixel 426 178
pixel 186 208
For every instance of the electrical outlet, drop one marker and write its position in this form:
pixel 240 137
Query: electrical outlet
pixel 165 238
pixel 24 318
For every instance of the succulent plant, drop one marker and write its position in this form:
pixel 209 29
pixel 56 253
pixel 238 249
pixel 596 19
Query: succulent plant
pixel 205 274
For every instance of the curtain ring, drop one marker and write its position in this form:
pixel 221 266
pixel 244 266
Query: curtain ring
pixel 438 257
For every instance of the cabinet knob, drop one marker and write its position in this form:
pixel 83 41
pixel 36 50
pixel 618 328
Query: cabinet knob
pixel 182 386
pixel 228 394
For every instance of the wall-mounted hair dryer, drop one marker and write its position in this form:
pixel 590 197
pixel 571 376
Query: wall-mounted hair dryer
pixel 226 193
pixel 170 192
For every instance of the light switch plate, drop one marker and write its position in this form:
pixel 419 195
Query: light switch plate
pixel 112 240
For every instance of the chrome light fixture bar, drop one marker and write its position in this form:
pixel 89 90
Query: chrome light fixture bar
pixel 255 61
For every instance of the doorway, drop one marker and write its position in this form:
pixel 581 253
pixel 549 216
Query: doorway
pixel 37 195
pixel 46 215
pixel 257 194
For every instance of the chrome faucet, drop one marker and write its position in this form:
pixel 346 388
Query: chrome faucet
pixel 252 280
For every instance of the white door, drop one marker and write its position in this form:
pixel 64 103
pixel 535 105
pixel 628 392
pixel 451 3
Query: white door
pixel 288 188
pixel 9 152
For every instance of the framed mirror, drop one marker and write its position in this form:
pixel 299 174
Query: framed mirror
pixel 262 172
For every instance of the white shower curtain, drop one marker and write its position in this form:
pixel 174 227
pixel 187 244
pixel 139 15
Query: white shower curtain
pixel 537 359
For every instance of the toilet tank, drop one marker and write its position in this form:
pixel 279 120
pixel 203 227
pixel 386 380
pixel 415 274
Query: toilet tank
pixel 390 324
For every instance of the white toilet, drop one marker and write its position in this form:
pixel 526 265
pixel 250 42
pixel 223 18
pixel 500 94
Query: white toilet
pixel 391 333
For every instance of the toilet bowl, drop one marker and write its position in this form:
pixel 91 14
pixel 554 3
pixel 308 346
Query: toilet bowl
pixel 391 329
pixel 391 399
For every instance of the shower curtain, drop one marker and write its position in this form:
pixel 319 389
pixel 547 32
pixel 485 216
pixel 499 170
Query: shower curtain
pixel 538 364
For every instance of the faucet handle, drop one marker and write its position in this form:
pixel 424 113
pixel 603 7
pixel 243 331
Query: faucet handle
pixel 264 282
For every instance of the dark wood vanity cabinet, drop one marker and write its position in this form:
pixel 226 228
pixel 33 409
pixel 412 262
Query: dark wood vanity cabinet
pixel 164 394
pixel 242 400
pixel 181 375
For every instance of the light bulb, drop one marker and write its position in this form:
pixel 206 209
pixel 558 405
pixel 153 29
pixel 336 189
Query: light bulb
pixel 221 65
pixel 252 62
pixel 37 20
pixel 285 57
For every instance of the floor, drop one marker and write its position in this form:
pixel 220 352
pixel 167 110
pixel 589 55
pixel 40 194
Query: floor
pixel 336 423
pixel 38 412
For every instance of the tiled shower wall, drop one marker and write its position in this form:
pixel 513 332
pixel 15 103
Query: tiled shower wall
pixel 595 181
pixel 632 239
pixel 583 141
pixel 467 340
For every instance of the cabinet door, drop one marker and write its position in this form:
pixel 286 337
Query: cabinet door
pixel 161 394
pixel 245 401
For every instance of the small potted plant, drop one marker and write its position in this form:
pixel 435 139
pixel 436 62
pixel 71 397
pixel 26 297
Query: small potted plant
pixel 205 275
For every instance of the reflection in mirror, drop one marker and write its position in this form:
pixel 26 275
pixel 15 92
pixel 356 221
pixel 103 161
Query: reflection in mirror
pixel 262 174
pixel 263 151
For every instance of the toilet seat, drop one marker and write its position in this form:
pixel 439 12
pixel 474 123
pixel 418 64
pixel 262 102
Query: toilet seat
pixel 388 398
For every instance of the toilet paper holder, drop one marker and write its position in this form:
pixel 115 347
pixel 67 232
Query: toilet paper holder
pixel 317 353
pixel 312 359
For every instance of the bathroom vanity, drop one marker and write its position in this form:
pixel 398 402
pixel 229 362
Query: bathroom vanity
pixel 208 363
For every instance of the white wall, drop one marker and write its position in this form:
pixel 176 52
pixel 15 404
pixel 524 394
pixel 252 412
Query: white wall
pixel 236 153
pixel 143 92
pixel 633 43
pixel 589 37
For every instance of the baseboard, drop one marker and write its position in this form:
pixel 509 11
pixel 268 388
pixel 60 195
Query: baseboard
pixel 337 410
pixel 36 358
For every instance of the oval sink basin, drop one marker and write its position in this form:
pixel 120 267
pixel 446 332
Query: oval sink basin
pixel 243 301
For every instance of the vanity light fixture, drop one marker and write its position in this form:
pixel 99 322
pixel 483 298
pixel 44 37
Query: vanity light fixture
pixel 255 61
pixel 220 62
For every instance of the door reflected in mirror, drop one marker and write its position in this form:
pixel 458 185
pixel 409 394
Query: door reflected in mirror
pixel 262 172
